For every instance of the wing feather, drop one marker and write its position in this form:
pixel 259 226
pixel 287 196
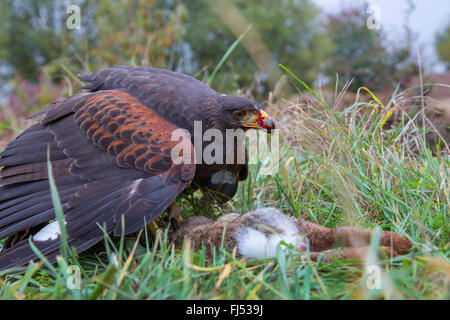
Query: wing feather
pixel 114 155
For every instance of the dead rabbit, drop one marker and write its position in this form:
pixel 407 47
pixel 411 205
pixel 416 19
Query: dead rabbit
pixel 257 233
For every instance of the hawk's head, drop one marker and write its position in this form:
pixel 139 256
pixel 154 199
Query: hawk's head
pixel 243 113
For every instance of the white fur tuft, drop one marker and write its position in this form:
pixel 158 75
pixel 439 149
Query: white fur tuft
pixel 253 243
pixel 49 232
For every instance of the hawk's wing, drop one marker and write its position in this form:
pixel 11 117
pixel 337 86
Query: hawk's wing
pixel 176 97
pixel 111 157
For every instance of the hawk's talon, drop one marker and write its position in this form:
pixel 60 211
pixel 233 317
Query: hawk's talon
pixel 175 217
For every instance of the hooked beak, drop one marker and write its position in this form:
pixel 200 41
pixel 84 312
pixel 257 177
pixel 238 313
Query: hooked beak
pixel 262 122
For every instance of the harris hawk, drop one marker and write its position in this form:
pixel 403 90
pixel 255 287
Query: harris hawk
pixel 111 152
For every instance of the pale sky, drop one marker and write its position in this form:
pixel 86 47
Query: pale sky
pixel 429 17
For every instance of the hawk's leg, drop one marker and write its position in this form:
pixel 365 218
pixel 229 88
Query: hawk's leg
pixel 152 229
pixel 209 199
pixel 205 202
pixel 175 217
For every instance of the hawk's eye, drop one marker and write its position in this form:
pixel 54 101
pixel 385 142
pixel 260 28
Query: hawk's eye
pixel 239 114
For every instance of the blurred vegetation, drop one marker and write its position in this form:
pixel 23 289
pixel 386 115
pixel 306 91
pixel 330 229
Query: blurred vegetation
pixel 31 36
pixel 363 54
pixel 38 52
pixel 443 45
pixel 184 36
pixel 112 32
pixel 192 36
pixel 290 30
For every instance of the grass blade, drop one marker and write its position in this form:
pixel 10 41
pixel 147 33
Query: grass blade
pixel 227 54
pixel 59 212
pixel 306 87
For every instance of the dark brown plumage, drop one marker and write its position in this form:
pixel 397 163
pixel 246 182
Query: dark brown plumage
pixel 111 150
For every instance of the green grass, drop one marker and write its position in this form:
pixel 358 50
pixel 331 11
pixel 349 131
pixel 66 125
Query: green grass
pixel 335 169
